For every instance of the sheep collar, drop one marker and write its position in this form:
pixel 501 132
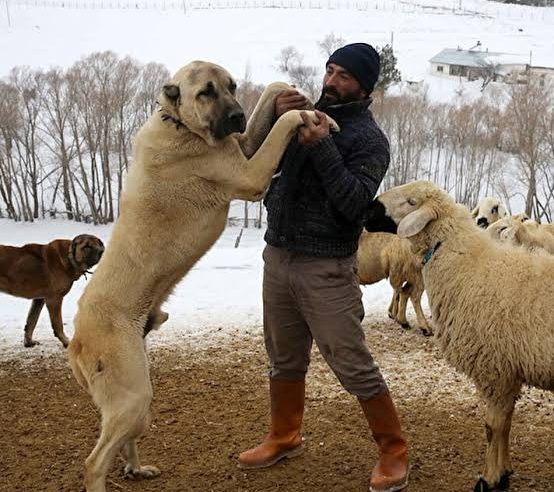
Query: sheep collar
pixel 430 252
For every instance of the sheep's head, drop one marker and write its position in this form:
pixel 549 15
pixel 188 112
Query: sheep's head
pixel 488 211
pixel 408 209
pixel 501 229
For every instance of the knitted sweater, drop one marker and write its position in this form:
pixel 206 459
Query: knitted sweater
pixel 316 204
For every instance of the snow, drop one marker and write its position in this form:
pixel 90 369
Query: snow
pixel 223 291
pixel 220 295
pixel 251 38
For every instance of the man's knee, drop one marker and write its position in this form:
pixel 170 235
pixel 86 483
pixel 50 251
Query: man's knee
pixel 287 374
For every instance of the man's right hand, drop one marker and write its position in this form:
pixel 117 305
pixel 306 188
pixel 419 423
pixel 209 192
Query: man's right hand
pixel 287 100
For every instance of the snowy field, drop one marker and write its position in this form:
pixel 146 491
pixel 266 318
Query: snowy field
pixel 251 38
pixel 224 288
pixel 221 294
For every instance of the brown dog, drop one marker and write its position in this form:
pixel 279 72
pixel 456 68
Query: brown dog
pixel 45 274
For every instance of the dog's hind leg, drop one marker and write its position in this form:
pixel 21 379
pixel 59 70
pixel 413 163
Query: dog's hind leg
pixel 55 310
pixel 32 318
pixel 125 406
pixel 133 469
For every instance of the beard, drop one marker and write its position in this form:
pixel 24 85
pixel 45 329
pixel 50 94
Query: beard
pixel 330 97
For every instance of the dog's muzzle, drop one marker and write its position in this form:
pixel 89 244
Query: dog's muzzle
pixel 235 122
pixel 94 256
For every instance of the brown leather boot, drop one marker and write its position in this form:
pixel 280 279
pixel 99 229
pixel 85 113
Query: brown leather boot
pixel 391 471
pixel 284 440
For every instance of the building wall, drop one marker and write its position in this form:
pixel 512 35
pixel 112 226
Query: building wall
pixel 440 70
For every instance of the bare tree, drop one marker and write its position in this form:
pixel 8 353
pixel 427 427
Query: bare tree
pixel 526 134
pixel 330 43
pixel 300 75
pixel 56 135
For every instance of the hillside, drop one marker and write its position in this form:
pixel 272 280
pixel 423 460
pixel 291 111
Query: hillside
pixel 247 35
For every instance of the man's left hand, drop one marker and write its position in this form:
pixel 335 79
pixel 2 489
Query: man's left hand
pixel 311 132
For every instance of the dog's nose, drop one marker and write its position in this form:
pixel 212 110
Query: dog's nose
pixel 237 120
pixel 482 222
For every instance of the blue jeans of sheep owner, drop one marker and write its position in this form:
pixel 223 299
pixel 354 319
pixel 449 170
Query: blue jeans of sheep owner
pixel 308 298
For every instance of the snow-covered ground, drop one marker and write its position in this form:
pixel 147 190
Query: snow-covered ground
pixel 222 293
pixel 241 38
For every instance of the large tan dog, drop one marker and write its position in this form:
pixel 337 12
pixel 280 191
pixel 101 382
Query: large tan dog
pixel 45 273
pixel 189 163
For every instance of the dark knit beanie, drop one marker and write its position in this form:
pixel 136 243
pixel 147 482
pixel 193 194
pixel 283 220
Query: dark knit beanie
pixel 361 60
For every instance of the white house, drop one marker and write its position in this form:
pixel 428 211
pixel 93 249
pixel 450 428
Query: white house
pixel 476 64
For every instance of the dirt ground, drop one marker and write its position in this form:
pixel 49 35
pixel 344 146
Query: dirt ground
pixel 211 403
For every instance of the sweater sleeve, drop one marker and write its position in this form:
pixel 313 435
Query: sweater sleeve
pixel 353 182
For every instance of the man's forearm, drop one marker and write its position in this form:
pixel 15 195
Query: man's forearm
pixel 350 186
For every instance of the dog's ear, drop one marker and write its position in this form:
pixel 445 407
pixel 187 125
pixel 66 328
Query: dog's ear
pixel 172 92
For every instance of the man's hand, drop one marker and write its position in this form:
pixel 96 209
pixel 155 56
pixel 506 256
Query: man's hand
pixel 312 132
pixel 287 100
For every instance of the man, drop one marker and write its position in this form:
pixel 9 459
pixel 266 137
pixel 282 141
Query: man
pixel 316 206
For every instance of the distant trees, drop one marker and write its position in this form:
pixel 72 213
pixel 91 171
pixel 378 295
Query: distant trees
pixel 536 3
pixel 389 73
pixel 305 77
pixel 472 149
pixel 65 135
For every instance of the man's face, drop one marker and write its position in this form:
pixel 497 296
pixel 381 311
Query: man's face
pixel 339 87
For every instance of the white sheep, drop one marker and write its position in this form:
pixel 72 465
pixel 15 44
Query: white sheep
pixel 530 234
pixel 488 211
pixel 382 255
pixel 492 306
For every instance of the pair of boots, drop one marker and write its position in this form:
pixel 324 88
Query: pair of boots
pixel 285 440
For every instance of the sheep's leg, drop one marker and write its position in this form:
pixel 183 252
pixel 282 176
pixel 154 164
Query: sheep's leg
pixel 401 314
pixel 422 323
pixel 397 309
pixel 497 462
pixel 393 306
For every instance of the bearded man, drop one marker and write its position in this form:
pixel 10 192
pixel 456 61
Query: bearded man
pixel 316 207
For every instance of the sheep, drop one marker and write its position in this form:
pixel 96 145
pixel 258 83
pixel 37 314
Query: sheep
pixel 492 306
pixel 530 234
pixel 488 211
pixel 383 255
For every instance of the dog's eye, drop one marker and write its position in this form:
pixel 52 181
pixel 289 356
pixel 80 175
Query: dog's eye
pixel 412 201
pixel 209 91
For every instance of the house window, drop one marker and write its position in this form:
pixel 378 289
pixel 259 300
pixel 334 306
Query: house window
pixel 458 70
pixel 439 68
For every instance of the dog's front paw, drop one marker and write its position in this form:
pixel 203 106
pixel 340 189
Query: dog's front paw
pixel 144 472
pixel 30 343
pixel 333 125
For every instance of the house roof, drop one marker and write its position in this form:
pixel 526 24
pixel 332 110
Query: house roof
pixel 470 58
pixel 466 58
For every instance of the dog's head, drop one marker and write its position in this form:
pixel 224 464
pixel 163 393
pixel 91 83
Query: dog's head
pixel 86 251
pixel 201 96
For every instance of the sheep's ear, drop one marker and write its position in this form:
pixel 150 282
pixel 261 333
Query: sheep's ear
pixel 415 222
pixel 475 211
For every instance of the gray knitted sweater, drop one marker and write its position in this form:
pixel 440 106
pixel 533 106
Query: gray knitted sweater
pixel 316 205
